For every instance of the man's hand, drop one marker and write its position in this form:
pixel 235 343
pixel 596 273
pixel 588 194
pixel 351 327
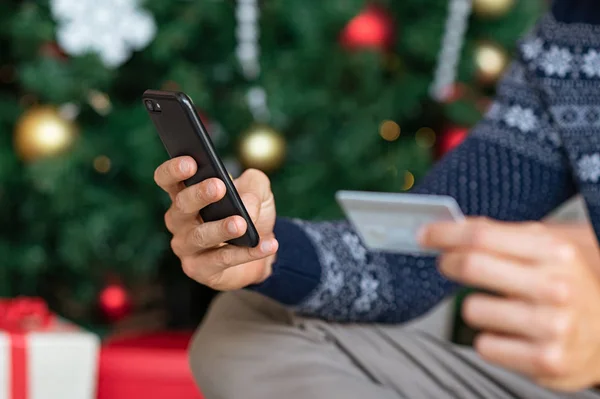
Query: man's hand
pixel 200 246
pixel 545 323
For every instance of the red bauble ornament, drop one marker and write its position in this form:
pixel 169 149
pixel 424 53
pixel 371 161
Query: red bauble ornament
pixel 373 28
pixel 114 302
pixel 451 138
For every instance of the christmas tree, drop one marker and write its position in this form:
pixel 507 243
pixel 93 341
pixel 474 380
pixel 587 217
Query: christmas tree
pixel 335 95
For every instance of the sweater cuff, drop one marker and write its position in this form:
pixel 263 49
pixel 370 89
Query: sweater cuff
pixel 296 270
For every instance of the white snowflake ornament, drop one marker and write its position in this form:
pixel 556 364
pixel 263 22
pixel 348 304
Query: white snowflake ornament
pixel 110 28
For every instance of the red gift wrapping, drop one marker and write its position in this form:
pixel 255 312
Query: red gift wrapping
pixel 153 366
pixel 19 316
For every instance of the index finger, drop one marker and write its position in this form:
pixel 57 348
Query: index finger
pixel 170 175
pixel 527 241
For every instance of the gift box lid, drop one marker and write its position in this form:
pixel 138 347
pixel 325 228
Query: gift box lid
pixel 147 366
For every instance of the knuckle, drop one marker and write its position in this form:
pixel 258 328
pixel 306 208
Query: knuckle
pixel 176 245
pixel 188 269
pixel 480 233
pixel 173 169
pixel 199 235
pixel 215 281
pixel 561 288
pixel 566 252
pixel 470 267
pixel 479 344
pixel 199 193
pixel 469 310
pixel 551 361
pixel 164 172
pixel 180 201
pixel 225 258
pixel 169 220
pixel 157 173
pixel 562 325
pixel 442 263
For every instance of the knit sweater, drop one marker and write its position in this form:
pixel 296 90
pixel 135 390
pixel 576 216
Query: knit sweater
pixel 537 146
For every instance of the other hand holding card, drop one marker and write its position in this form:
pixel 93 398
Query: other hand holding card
pixel 546 322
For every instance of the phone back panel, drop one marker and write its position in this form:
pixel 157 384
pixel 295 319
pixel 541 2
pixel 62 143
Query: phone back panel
pixel 182 133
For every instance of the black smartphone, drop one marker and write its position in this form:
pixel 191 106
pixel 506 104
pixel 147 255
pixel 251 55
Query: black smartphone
pixel 182 133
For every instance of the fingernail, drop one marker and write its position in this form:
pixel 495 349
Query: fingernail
pixel 185 167
pixel 211 189
pixel 266 246
pixel 232 227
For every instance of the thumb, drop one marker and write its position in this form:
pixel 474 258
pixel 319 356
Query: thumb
pixel 254 181
pixel 252 204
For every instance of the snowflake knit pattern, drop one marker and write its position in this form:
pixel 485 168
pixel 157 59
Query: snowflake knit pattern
pixel 537 146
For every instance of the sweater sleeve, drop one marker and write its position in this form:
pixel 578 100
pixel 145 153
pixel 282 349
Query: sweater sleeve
pixel 511 167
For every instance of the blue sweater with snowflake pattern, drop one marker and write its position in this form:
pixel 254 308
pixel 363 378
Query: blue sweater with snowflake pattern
pixel 538 145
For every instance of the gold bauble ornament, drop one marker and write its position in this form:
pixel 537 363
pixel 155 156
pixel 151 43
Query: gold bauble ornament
pixel 492 8
pixel 491 60
pixel 261 147
pixel 41 132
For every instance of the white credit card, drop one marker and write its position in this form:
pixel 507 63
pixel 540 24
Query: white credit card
pixel 390 222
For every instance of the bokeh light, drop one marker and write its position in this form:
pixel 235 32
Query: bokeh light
pixel 102 164
pixel 100 102
pixel 425 137
pixel 491 60
pixel 389 130
pixel 409 181
pixel 170 85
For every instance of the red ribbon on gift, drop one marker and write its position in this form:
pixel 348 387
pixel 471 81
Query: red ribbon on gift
pixel 19 316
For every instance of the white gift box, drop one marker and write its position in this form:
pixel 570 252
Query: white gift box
pixel 59 361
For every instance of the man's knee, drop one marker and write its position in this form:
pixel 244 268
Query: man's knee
pixel 207 361
pixel 231 338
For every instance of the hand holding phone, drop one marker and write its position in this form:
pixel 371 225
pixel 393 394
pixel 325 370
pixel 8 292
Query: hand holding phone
pixel 197 242
pixel 182 133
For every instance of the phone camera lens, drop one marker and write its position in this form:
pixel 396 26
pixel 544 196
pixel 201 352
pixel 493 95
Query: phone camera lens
pixel 157 107
pixel 149 105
